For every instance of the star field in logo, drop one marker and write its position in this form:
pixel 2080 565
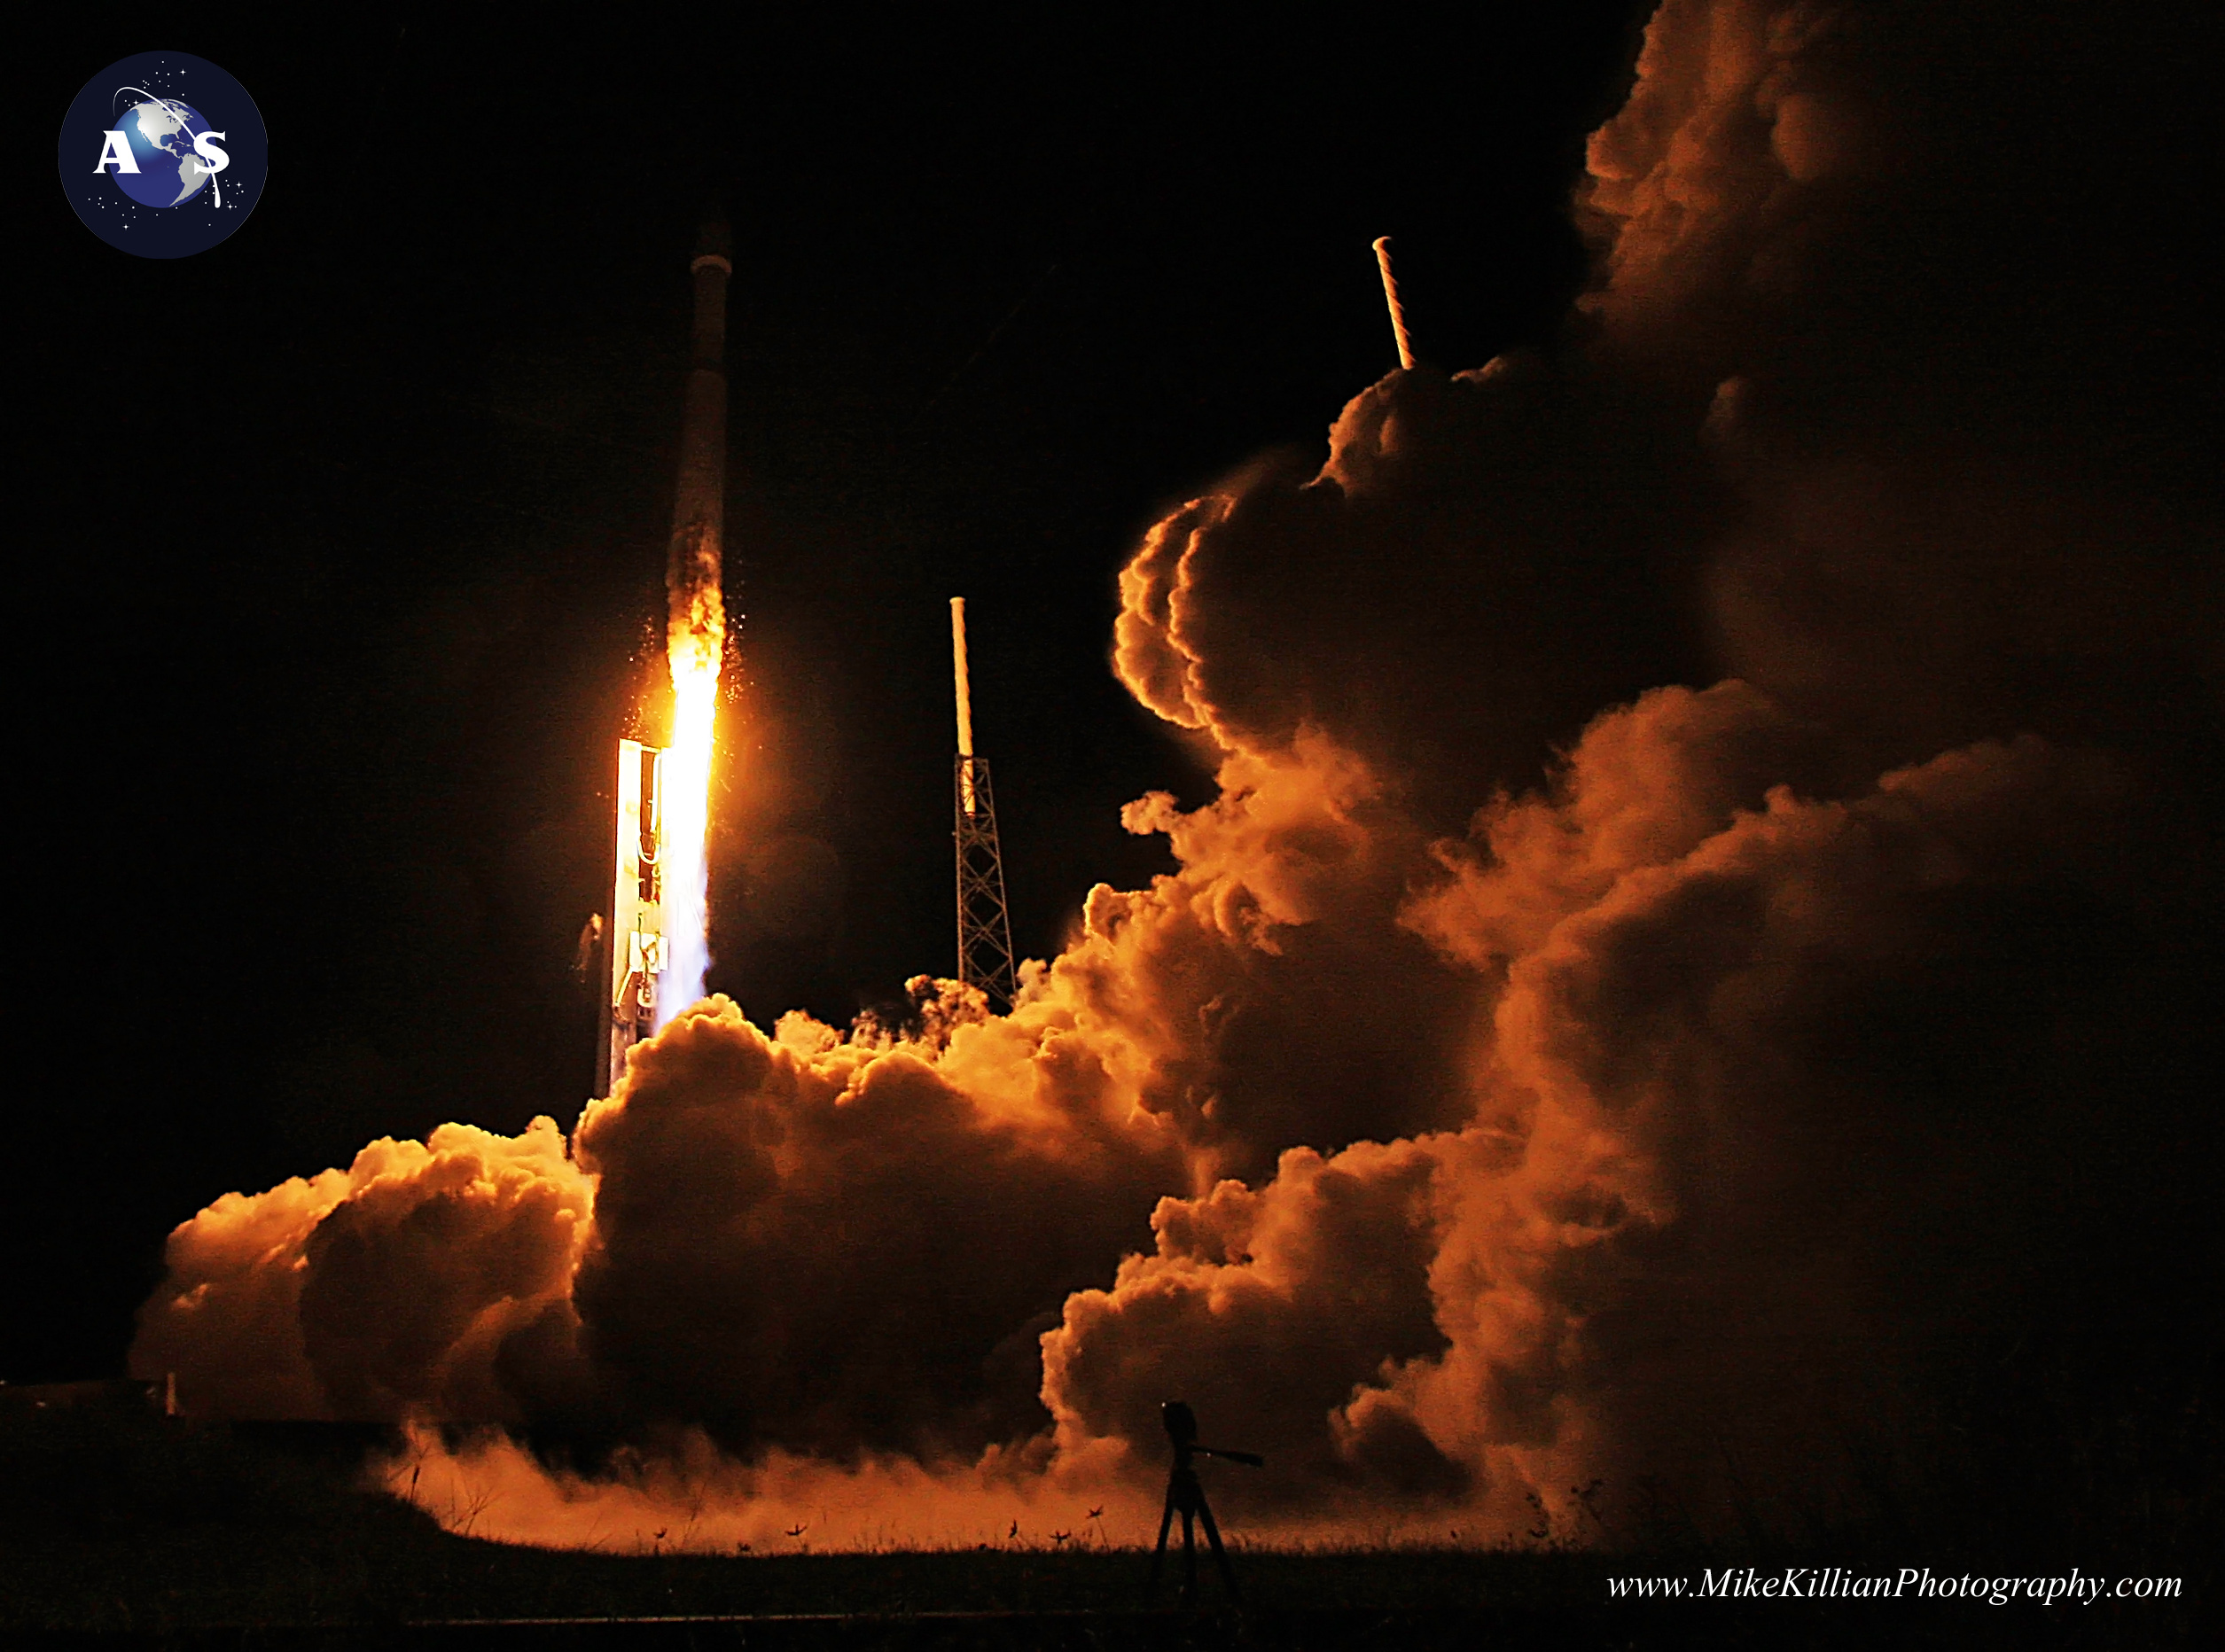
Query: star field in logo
pixel 163 155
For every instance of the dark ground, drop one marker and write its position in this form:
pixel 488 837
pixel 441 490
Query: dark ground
pixel 122 1528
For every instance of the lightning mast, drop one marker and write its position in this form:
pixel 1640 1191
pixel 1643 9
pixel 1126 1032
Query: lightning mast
pixel 1390 297
pixel 984 931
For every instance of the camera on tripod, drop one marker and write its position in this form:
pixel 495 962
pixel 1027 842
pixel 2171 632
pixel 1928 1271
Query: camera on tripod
pixel 1186 1496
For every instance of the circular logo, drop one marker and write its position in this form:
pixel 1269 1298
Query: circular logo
pixel 163 155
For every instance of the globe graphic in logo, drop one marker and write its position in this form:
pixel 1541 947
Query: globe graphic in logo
pixel 161 133
pixel 162 155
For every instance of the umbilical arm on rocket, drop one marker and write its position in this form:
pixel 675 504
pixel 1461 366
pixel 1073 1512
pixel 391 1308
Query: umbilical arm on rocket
pixel 637 949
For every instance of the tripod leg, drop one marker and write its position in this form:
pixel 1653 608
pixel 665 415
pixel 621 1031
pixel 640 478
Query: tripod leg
pixel 1166 1519
pixel 1189 1555
pixel 1213 1535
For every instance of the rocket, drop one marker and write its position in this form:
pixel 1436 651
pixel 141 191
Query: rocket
pixel 698 510
pixel 638 940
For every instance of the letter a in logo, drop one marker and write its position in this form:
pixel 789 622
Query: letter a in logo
pixel 115 150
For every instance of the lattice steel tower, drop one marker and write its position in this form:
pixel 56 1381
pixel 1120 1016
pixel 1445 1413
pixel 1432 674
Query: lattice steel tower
pixel 984 931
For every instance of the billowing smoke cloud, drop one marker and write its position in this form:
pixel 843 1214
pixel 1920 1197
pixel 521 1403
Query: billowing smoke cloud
pixel 1542 1068
pixel 1935 267
pixel 388 1288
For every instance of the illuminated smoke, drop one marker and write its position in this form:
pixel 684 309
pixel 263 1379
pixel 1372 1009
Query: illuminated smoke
pixel 1537 1069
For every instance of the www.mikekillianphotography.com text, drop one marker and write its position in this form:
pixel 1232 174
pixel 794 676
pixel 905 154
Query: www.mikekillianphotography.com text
pixel 1838 1583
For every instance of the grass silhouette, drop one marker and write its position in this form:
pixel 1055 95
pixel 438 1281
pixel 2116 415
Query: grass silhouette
pixel 117 1522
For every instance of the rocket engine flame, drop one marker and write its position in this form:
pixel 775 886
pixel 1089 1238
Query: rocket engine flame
pixel 693 648
pixel 695 635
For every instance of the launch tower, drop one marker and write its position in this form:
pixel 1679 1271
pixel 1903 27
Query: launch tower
pixel 984 931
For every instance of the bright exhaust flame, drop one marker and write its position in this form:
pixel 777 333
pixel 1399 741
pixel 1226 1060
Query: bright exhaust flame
pixel 693 647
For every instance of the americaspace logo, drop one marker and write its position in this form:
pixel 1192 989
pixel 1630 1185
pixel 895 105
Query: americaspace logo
pixel 163 155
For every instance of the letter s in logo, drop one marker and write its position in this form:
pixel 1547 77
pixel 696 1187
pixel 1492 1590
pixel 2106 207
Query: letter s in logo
pixel 213 161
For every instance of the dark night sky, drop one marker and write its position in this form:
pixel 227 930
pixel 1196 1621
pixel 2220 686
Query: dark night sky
pixel 345 540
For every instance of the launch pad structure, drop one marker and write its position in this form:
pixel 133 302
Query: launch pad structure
pixel 985 929
pixel 637 945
